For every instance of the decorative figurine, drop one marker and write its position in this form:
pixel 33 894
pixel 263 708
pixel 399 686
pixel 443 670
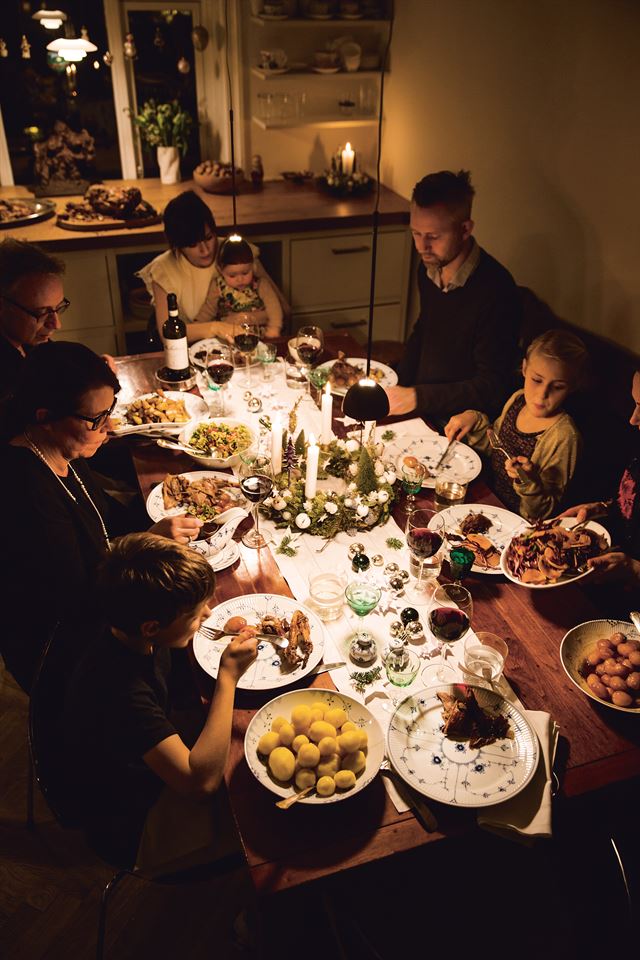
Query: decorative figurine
pixel 25 47
pixel 183 65
pixel 257 170
pixel 3 49
pixel 129 47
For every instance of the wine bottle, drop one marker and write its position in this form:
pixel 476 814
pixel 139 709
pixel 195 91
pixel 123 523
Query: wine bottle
pixel 174 334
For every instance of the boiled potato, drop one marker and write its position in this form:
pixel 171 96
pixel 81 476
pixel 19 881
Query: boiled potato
pixel 345 779
pixel 349 742
pixel 364 739
pixel 336 717
pixel 298 742
pixel 327 746
pixel 235 624
pixel 319 705
pixel 316 714
pixel 320 729
pixel 282 763
pixel 349 725
pixel 301 718
pixel 268 742
pixel 621 699
pixel 278 722
pixel 305 778
pixel 326 787
pixel 328 767
pixel 308 755
pixel 353 761
pixel 287 734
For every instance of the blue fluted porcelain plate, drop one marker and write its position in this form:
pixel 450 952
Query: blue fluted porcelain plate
pixel 462 464
pixel 449 770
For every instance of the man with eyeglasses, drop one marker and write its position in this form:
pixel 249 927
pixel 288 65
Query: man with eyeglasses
pixel 31 303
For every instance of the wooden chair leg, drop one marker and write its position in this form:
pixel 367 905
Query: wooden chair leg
pixel 104 900
pixel 30 791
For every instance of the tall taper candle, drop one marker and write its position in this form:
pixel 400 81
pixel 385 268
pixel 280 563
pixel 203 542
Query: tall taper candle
pixel 311 479
pixel 276 444
pixel 326 433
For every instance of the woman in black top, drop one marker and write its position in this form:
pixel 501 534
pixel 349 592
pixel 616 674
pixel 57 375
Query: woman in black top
pixel 57 524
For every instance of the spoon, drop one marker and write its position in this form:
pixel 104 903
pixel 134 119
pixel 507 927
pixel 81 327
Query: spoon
pixel 175 445
pixel 635 619
pixel 285 804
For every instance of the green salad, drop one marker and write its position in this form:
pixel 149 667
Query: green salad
pixel 220 439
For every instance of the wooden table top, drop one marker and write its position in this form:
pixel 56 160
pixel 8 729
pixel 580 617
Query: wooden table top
pixel 597 746
pixel 278 208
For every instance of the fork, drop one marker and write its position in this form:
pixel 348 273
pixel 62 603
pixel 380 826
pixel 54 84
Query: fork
pixel 209 633
pixel 495 444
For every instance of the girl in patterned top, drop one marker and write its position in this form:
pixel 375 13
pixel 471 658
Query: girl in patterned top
pixel 533 428
pixel 237 289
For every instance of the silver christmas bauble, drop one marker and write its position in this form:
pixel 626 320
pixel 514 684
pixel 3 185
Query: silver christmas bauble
pixel 404 574
pixel 391 568
pixel 254 405
pixel 396 585
pixel 355 548
pixel 377 560
pixel 414 630
pixel 395 628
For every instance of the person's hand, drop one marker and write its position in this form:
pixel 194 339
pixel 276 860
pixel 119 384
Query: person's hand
pixel 615 566
pixel 272 332
pixel 511 467
pixel 401 400
pixel 460 424
pixel 110 362
pixel 584 511
pixel 183 529
pixel 239 654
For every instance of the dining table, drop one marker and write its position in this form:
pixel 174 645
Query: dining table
pixel 597 746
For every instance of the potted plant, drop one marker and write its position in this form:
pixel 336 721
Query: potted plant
pixel 165 126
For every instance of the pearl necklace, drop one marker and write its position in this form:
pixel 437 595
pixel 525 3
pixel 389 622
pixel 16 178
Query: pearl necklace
pixel 38 452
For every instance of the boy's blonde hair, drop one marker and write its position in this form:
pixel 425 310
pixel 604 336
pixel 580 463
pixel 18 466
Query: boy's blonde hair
pixel 146 577
pixel 567 348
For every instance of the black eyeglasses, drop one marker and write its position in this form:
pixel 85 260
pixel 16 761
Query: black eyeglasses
pixel 43 312
pixel 99 420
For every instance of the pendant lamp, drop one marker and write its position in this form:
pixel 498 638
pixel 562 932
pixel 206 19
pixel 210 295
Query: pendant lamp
pixel 50 19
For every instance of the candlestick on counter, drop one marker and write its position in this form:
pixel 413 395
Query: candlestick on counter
pixel 348 160
pixel 311 479
pixel 276 444
pixel 326 434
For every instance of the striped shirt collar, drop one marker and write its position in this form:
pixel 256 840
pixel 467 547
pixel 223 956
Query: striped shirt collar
pixel 461 275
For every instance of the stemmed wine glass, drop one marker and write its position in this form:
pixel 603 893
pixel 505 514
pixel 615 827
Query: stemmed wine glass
pixel 219 366
pixel 425 535
pixel 246 336
pixel 401 666
pixel 256 483
pixel 309 346
pixel 449 619
pixel 362 597
pixel 412 478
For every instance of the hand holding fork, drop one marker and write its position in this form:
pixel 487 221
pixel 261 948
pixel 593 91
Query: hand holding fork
pixel 495 444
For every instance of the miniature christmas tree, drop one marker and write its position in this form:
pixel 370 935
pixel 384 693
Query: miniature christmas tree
pixel 300 444
pixel 290 459
pixel 366 476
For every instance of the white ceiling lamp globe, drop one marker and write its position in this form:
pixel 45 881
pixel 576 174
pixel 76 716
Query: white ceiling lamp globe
pixel 50 19
pixel 72 50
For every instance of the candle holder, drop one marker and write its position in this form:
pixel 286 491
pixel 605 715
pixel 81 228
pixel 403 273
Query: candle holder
pixel 341 185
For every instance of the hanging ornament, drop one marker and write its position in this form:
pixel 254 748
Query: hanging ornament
pixel 55 62
pixel 158 40
pixel 200 38
pixel 3 49
pixel 129 47
pixel 107 58
pixel 183 65
pixel 25 47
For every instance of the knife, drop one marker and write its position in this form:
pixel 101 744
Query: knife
pixel 414 801
pixel 444 456
pixel 325 667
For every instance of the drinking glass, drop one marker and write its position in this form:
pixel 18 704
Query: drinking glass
pixel 326 592
pixel 425 535
pixel 309 346
pixel 449 619
pixel 318 377
pixel 448 493
pixel 412 477
pixel 461 559
pixel 401 667
pixel 256 483
pixel 362 597
pixel 246 336
pixel 484 656
pixel 219 366
pixel 267 354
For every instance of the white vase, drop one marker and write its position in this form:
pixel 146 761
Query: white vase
pixel 169 163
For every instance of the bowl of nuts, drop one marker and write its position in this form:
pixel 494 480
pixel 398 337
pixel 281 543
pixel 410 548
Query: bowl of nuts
pixel 602 659
pixel 215 177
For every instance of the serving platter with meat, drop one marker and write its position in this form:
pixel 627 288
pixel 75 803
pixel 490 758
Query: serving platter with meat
pixel 345 371
pixel 483 529
pixel 108 208
pixel 552 554
pixel 205 494
pixel 22 211
pixel 275 666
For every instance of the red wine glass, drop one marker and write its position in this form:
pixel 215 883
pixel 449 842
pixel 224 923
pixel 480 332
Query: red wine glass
pixel 219 366
pixel 425 537
pixel 449 619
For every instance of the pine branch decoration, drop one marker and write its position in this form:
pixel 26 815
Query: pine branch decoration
pixel 366 480
pixel 290 459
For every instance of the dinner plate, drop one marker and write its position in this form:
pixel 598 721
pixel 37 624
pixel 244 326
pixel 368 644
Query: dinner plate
pixel 155 504
pixel 265 673
pixel 505 525
pixel 273 71
pixel 282 706
pixel 580 641
pixel 198 353
pixel 389 377
pixel 227 556
pixel 195 406
pixel 463 464
pixel 326 69
pixel 449 770
pixel 566 522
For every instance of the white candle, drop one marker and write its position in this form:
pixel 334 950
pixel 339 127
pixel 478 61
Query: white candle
pixel 326 434
pixel 276 444
pixel 348 160
pixel 311 479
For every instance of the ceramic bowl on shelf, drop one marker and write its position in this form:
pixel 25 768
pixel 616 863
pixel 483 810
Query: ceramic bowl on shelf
pixel 216 177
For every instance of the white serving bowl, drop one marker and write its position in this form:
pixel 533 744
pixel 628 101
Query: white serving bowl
pixel 215 462
pixel 283 705
pixel 580 641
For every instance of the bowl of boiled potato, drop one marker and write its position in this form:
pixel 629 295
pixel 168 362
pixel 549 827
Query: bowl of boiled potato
pixel 602 658
pixel 314 738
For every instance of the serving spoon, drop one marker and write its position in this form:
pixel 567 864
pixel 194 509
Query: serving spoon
pixel 176 445
pixel 285 804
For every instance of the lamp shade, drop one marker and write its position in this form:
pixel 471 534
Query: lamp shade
pixel 366 400
pixel 50 19
pixel 72 50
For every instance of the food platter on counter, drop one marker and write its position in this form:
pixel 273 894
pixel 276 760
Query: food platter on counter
pixel 23 211
pixel 81 224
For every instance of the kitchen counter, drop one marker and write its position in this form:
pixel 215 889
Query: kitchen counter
pixel 278 208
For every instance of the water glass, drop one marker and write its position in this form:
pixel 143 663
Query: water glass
pixel 484 656
pixel 448 493
pixel 267 354
pixel 326 592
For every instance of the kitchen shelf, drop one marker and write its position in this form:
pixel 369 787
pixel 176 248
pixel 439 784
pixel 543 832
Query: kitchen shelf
pixel 340 74
pixel 314 121
pixel 308 22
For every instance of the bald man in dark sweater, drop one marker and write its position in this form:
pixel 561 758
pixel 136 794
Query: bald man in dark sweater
pixel 462 351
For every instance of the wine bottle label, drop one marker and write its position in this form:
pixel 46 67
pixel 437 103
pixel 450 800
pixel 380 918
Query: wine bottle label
pixel 176 354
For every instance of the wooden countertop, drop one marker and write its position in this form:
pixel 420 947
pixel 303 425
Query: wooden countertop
pixel 279 207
